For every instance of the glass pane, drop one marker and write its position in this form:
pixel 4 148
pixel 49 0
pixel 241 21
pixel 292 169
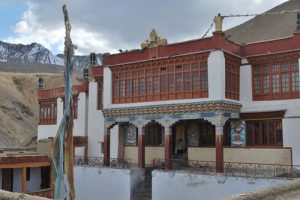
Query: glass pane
pixel 257 133
pixel 284 67
pixel 285 82
pixel 163 80
pixel 187 81
pixel 178 82
pixel 264 130
pixel 128 88
pixel 142 86
pixel 257 85
pixel 135 87
pixel 295 81
pixel 271 125
pixel 196 81
pixel 249 133
pixel 275 80
pixel 156 84
pixel 171 83
pixel 266 82
pixel 195 66
pixel 149 85
pixel 204 81
pixel 278 133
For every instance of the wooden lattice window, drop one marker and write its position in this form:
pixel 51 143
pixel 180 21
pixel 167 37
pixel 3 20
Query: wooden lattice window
pixel 264 132
pixel 48 112
pixel 273 81
pixel 167 79
pixel 232 77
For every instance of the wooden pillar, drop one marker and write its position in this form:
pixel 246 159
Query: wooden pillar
pixel 106 153
pixel 24 180
pixel 168 147
pixel 219 149
pixel 141 147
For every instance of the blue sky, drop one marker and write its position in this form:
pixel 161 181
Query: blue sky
pixel 109 25
pixel 10 13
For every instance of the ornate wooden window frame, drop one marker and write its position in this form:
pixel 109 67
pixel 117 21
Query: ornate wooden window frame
pixel 266 68
pixel 48 111
pixel 232 76
pixel 141 82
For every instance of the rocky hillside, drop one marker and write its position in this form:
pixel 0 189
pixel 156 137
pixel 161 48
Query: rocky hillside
pixel 36 54
pixel 19 106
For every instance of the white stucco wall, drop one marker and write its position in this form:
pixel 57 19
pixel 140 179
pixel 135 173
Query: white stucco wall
pixel 79 151
pixel 107 87
pixel 291 137
pixel 114 141
pixel 17 180
pixel 95 123
pixel 190 186
pixel 45 131
pixel 216 75
pixel 34 184
pixel 79 123
pixel 104 183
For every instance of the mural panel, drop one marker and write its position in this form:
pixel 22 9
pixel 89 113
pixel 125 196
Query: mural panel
pixel 130 136
pixel 193 135
pixel 238 133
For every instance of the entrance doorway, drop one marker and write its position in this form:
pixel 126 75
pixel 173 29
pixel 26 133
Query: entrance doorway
pixel 7 179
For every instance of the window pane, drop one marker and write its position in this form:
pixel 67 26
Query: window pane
pixel 271 125
pixel 204 81
pixel 285 82
pixel 149 85
pixel 275 80
pixel 257 85
pixel 171 83
pixel 196 81
pixel 266 82
pixel 284 67
pixel 249 133
pixel 156 84
pixel 295 81
pixel 142 86
pixel 278 133
pixel 135 87
pixel 128 88
pixel 116 88
pixel 264 130
pixel 187 81
pixel 163 80
pixel 122 88
pixel 257 133
pixel 179 82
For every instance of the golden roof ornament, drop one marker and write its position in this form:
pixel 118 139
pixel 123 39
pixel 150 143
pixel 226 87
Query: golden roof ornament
pixel 218 22
pixel 154 41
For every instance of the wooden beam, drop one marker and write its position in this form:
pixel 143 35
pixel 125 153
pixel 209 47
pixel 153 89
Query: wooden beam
pixel 24 180
pixel 21 165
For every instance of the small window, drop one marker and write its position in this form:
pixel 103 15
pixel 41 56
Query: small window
pixel 27 174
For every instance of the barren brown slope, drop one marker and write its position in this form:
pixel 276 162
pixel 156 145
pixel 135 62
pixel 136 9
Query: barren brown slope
pixel 267 27
pixel 19 106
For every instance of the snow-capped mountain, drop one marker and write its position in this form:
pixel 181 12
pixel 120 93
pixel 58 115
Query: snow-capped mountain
pixel 29 54
pixel 37 54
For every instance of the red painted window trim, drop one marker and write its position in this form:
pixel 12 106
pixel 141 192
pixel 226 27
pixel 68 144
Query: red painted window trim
pixel 267 124
pixel 48 112
pixel 268 76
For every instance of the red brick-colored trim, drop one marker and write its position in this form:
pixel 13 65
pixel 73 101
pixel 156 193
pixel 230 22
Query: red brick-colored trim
pixel 263 115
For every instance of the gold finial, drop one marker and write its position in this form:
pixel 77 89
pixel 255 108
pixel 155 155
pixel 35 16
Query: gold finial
pixel 154 41
pixel 218 22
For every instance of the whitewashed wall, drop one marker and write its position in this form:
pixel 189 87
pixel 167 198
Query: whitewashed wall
pixel 114 141
pixel 291 121
pixel 95 123
pixel 104 183
pixel 216 75
pixel 17 180
pixel 190 186
pixel 79 123
pixel 34 184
